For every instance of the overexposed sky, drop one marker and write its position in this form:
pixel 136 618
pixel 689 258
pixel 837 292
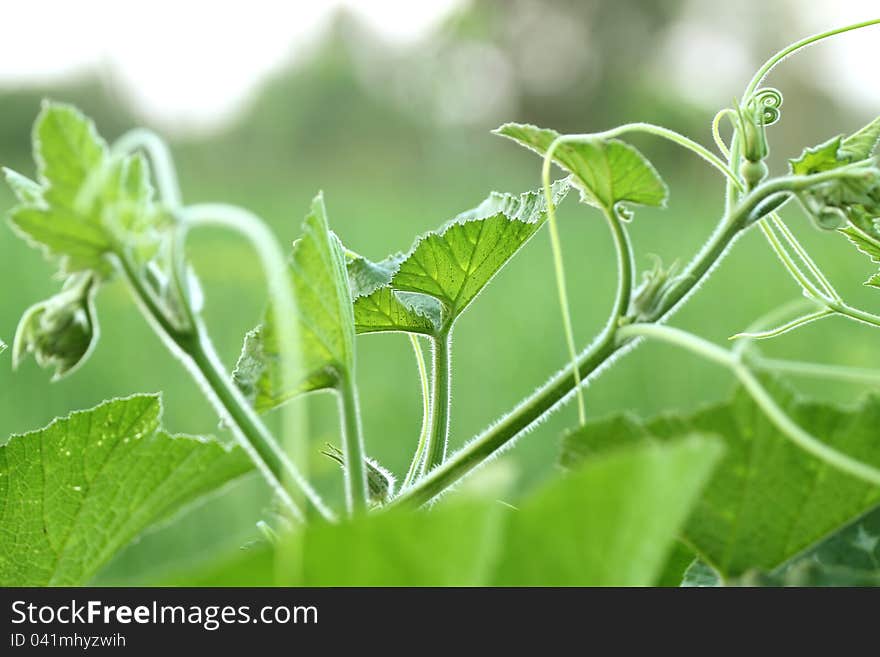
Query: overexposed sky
pixel 183 61
pixel 193 63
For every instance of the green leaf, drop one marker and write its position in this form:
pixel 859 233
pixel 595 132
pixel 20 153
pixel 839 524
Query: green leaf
pixel 446 269
pixel 453 545
pixel 836 204
pixel 74 493
pixel 324 317
pixel 378 307
pixel 613 522
pixel 768 500
pixel 816 159
pixel 864 233
pixel 849 557
pixel 607 171
pixel 861 145
pixel 85 203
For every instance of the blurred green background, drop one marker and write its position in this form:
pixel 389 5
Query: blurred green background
pixel 398 138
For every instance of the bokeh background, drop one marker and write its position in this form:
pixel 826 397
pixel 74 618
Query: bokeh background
pixel 387 107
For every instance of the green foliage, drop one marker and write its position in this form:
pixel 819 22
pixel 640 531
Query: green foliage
pixel 736 493
pixel 324 322
pixel 854 200
pixel 768 500
pixel 612 522
pixel 85 207
pixel 608 172
pixel 74 493
pixel 429 287
pixel 86 204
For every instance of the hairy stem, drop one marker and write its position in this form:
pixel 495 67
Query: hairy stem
pixel 353 454
pixel 789 428
pixel 435 451
pixel 426 413
pixel 197 353
pixel 275 268
pixel 590 362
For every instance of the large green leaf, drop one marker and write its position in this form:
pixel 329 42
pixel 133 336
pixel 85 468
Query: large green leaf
pixel 454 545
pixel 446 269
pixel 613 522
pixel 85 204
pixel 74 493
pixel 324 319
pixel 768 501
pixel 607 171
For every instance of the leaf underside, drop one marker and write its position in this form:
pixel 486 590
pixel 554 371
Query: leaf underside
pixel 324 321
pixel 768 500
pixel 607 171
pixel 445 270
pixel 74 493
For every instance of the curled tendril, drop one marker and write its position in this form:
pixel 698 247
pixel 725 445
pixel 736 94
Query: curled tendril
pixel 769 100
pixel 623 213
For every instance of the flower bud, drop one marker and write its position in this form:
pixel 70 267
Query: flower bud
pixel 61 331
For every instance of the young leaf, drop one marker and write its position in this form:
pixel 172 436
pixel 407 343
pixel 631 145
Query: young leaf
pixel 377 307
pixel 861 145
pixel 864 233
pixel 836 204
pixel 613 522
pixel 324 316
pixel 768 500
pixel 74 493
pixel 446 269
pixel 607 171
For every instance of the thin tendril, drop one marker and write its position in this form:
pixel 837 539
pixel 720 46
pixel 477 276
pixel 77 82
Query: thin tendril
pixel 771 63
pixel 426 412
pixel 788 427
pixel 559 270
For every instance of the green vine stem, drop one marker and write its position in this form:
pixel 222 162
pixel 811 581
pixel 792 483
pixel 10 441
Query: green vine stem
pixel 604 349
pixel 778 57
pixel 194 349
pixel 435 450
pixel 353 454
pixel 281 293
pixel 250 431
pixel 758 392
pixel 416 463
